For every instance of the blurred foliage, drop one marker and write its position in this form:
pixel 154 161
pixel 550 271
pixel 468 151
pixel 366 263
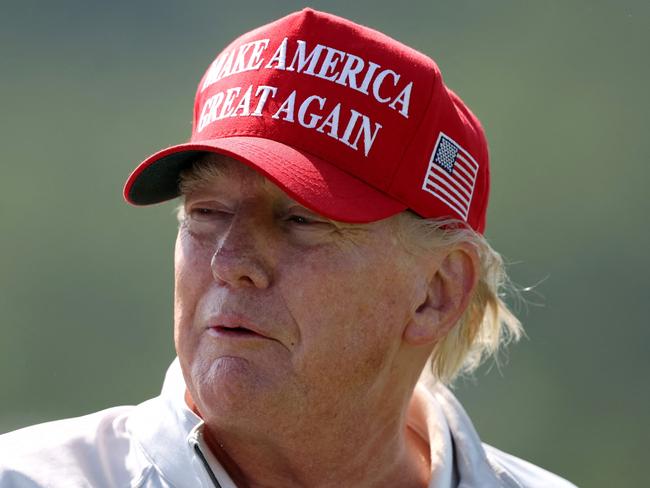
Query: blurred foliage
pixel 87 89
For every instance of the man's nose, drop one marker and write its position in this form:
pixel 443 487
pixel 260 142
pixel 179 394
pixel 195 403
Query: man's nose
pixel 239 259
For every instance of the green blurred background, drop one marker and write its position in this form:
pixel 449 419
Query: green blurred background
pixel 89 88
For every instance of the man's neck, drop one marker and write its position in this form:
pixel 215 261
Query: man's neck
pixel 353 451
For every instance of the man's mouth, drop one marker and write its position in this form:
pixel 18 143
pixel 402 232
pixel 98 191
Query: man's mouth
pixel 233 331
pixel 236 326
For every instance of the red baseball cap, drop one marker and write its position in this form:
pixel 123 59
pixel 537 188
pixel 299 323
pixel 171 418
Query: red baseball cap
pixel 346 120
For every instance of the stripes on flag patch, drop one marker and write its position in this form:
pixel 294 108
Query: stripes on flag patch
pixel 451 175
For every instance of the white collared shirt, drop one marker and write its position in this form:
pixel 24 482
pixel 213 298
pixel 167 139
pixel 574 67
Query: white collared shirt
pixel 159 444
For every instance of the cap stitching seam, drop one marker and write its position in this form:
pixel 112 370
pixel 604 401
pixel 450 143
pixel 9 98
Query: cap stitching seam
pixel 415 132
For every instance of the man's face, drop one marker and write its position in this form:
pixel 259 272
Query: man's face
pixel 278 309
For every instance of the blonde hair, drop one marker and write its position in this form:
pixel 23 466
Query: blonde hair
pixel 487 323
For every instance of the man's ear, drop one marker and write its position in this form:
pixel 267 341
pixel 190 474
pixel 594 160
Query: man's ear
pixel 445 296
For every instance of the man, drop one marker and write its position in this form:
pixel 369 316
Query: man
pixel 330 279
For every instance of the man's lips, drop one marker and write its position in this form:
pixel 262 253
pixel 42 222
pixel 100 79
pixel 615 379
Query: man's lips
pixel 235 326
pixel 232 332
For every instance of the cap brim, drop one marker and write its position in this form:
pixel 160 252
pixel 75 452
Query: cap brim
pixel 311 181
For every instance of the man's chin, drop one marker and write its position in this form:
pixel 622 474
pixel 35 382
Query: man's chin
pixel 228 384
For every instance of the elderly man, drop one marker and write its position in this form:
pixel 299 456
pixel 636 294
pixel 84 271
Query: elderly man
pixel 330 278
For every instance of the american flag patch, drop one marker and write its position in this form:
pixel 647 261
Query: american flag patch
pixel 451 175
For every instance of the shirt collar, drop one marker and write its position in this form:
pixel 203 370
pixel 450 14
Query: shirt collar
pixel 471 462
pixel 166 429
pixel 218 471
pixel 427 419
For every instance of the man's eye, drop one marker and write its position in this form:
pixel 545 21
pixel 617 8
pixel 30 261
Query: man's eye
pixel 205 213
pixel 201 212
pixel 300 220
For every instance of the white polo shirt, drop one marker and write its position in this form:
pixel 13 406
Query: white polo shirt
pixel 159 444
